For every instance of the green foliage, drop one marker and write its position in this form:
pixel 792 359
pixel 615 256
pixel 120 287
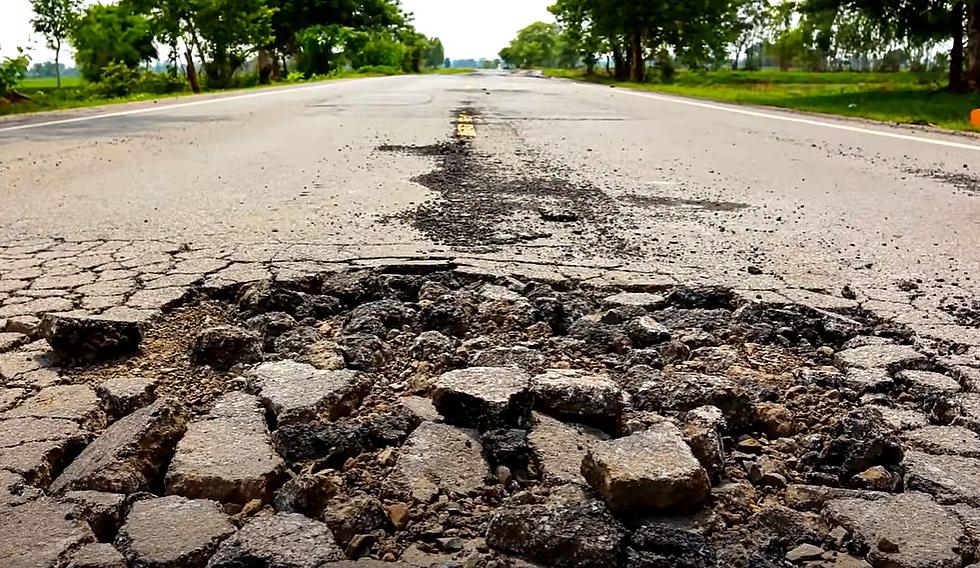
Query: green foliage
pixel 12 71
pixel 536 45
pixel 111 34
pixel 54 19
pixel 117 80
pixel 161 83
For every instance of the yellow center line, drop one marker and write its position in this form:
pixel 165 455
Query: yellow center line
pixel 465 128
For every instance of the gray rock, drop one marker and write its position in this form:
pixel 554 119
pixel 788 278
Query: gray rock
pixel 951 479
pixel 898 419
pixel 349 517
pixel 558 448
pixel 635 299
pixel 91 338
pixel 173 532
pixel 682 392
pixel 484 397
pixel 282 540
pixel 437 458
pixel 225 346
pixel 969 404
pixel 804 552
pixel 102 511
pixel 40 533
pixel 579 396
pixel 867 380
pixel 925 383
pixel 130 454
pixel 34 447
pixel 646 331
pixel 364 351
pixel 10 397
pixel 924 533
pixel 527 359
pixel 324 354
pixel 125 395
pixel 890 357
pixel 649 471
pixel 421 408
pixel 227 456
pixel 435 348
pixel 77 403
pixel 702 430
pixel 560 533
pixel 27 325
pixel 297 393
pixel 98 555
pixel 952 440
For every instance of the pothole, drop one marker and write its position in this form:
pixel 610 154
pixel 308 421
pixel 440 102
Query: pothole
pixel 444 417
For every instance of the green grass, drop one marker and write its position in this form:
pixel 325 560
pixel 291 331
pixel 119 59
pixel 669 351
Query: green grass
pixel 891 97
pixel 448 71
pixel 33 84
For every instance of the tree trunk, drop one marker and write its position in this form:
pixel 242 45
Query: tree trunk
pixel 973 46
pixel 956 83
pixel 57 64
pixel 638 64
pixel 622 69
pixel 192 71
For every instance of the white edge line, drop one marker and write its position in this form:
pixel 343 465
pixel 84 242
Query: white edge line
pixel 218 99
pixel 797 120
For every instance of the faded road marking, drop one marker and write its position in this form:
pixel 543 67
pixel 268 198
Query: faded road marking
pixel 464 126
pixel 798 120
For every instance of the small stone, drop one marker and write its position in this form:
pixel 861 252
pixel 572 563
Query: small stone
pixel 348 518
pixel 573 533
pixel 891 357
pixel 508 447
pixel 325 355
pixel 649 471
pixel 952 440
pixel 519 356
pixel 578 396
pixel 296 392
pixel 868 380
pixel 702 431
pixel 646 331
pixel 681 392
pixel 173 532
pixel 227 456
pixel 558 448
pixel 877 478
pixel 282 540
pixel 40 533
pixel 130 454
pixel 557 215
pixel 124 395
pixel 775 420
pixel 225 346
pixel 91 339
pixel 484 397
pixel 364 351
pixel 804 552
pixel 399 514
pixel 437 458
pixel 10 341
pixel 307 494
pixel 27 325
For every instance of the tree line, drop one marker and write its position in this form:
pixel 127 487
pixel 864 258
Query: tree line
pixel 209 41
pixel 638 38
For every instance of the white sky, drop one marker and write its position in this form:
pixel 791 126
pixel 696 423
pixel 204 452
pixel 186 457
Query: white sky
pixel 468 28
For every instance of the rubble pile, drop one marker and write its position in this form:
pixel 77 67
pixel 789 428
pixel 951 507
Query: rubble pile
pixel 433 417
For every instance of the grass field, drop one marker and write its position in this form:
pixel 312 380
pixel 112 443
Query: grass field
pixel 33 84
pixel 891 97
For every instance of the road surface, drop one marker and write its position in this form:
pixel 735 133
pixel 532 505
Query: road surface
pixel 548 175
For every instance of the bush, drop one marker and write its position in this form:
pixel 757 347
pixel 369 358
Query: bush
pixel 162 83
pixel 12 70
pixel 379 70
pixel 117 80
pixel 295 77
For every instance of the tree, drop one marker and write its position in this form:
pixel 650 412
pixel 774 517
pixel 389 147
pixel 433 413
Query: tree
pixel 12 70
pixel 111 34
pixel 747 26
pixel 536 45
pixel 54 19
pixel 434 53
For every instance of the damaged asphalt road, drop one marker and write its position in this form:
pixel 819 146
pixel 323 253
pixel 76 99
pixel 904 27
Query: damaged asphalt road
pixel 408 318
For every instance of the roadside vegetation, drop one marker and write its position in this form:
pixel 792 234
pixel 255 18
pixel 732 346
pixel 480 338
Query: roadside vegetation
pixel 210 45
pixel 910 61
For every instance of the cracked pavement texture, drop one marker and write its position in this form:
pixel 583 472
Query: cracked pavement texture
pixel 127 212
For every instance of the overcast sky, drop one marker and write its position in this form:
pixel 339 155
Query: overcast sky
pixel 468 28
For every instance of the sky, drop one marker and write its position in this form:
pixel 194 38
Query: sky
pixel 468 28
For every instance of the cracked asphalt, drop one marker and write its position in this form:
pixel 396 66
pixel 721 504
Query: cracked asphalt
pixel 126 213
